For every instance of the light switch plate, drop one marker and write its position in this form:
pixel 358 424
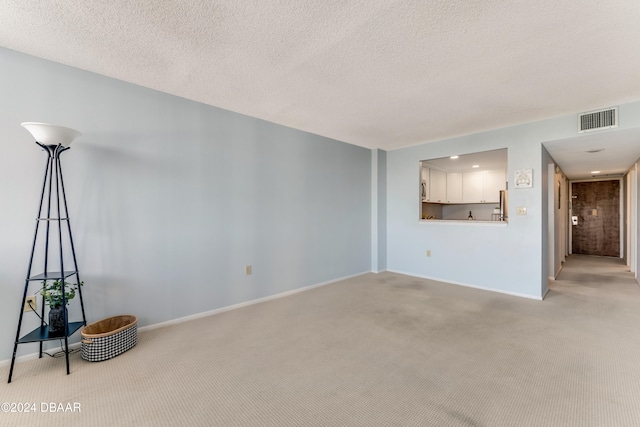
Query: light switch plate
pixel 521 210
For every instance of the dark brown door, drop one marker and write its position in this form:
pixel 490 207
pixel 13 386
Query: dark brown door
pixel 597 206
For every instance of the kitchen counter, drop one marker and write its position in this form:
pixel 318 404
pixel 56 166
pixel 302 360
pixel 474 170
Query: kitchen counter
pixel 465 222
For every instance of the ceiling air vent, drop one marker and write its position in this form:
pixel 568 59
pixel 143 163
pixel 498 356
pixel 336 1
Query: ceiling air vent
pixel 598 120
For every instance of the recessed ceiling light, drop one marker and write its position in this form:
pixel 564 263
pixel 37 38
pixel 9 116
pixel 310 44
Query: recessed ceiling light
pixel 454 157
pixel 595 171
pixel 594 150
pixel 475 166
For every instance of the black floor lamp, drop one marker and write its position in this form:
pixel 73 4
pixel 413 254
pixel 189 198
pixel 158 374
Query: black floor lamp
pixel 52 214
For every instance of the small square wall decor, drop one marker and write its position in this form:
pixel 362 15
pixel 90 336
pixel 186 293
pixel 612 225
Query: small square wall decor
pixel 523 178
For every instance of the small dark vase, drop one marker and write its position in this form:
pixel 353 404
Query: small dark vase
pixel 56 321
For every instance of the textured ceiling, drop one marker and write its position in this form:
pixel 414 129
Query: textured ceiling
pixel 375 73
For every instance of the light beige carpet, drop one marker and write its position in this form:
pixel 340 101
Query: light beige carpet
pixel 376 350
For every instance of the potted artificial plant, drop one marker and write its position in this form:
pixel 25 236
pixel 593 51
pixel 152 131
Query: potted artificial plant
pixel 52 294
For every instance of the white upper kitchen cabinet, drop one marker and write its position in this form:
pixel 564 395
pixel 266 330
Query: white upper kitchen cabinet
pixel 494 182
pixel 473 187
pixel 454 187
pixel 437 186
pixel 483 186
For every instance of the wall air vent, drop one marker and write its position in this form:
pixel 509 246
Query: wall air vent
pixel 598 120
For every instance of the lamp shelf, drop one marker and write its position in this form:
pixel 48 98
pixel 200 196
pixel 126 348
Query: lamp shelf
pixel 42 333
pixel 52 275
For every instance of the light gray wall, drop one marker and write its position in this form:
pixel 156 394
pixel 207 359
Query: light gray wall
pixel 635 215
pixel 382 210
pixel 511 259
pixel 170 199
pixel 624 234
pixel 558 220
pixel 548 224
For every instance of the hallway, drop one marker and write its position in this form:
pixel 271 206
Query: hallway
pixel 595 275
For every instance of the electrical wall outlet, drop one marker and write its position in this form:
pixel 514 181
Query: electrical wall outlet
pixel 521 210
pixel 247 270
pixel 428 252
pixel 31 299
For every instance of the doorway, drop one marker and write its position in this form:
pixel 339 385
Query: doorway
pixel 595 210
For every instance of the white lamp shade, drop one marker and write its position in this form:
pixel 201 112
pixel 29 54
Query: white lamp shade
pixel 47 134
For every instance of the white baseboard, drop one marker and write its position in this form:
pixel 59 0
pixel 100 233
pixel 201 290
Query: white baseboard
pixel 467 285
pixel 32 356
pixel 244 304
